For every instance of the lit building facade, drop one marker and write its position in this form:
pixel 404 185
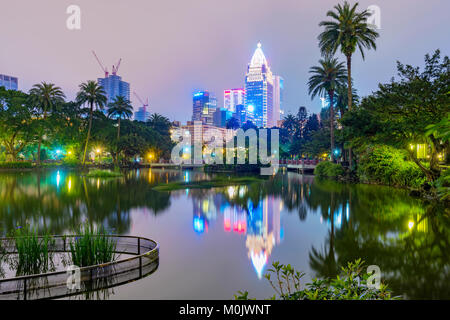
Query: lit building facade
pixel 278 88
pixel 10 83
pixel 204 105
pixel 259 89
pixel 232 98
pixel 114 86
pixel 221 117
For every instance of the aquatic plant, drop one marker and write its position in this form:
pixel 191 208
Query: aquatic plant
pixel 92 246
pixel 352 284
pixel 203 184
pixel 33 251
pixel 104 174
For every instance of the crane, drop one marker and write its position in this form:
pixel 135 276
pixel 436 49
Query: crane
pixel 145 105
pixel 116 68
pixel 101 65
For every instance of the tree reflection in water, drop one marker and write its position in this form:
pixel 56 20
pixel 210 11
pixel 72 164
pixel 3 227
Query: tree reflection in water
pixel 407 238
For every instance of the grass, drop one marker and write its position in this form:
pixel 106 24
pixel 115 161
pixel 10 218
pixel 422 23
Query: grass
pixel 91 247
pixel 33 252
pixel 16 165
pixel 104 174
pixel 204 184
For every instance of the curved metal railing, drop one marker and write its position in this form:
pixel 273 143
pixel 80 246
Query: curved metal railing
pixel 143 261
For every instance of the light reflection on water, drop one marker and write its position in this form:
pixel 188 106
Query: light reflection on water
pixel 215 242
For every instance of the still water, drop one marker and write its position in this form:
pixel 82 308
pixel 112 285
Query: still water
pixel 214 242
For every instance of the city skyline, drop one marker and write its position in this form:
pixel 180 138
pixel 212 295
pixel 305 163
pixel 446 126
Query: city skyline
pixel 169 66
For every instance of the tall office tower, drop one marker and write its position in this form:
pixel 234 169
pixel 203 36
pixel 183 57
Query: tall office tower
pixel 204 105
pixel 278 87
pixel 233 97
pixel 221 116
pixel 10 83
pixel 142 114
pixel 259 89
pixel 114 86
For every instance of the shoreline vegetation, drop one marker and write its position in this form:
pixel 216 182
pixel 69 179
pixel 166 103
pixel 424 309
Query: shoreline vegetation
pixel 206 184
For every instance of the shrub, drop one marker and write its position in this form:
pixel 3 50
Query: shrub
pixel 387 165
pixel 443 185
pixel 70 162
pixel 16 165
pixel 328 169
pixel 350 285
pixel 104 174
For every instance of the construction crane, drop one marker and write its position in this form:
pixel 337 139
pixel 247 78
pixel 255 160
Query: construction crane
pixel 116 68
pixel 101 65
pixel 145 105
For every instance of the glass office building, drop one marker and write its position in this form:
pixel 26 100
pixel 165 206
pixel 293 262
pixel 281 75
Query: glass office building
pixel 10 83
pixel 204 105
pixel 114 86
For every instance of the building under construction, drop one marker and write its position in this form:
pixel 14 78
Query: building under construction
pixel 112 83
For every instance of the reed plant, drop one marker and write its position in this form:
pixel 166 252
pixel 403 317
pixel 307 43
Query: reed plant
pixel 33 251
pixel 92 246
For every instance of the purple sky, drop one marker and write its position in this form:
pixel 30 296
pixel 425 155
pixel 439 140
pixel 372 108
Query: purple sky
pixel 171 48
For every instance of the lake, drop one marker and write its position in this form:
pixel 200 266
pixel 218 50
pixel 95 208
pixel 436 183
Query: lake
pixel 214 242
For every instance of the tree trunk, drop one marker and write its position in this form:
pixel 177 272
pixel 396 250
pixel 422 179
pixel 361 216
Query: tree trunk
pixel 350 100
pixel 331 95
pixel 118 129
pixel 88 135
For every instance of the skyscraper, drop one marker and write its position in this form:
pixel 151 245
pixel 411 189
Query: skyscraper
pixel 278 87
pixel 142 114
pixel 204 105
pixel 259 89
pixel 10 83
pixel 114 86
pixel 233 97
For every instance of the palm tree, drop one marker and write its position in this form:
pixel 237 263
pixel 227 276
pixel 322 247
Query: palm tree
pixel 349 30
pixel 159 123
pixel 120 108
pixel 46 97
pixel 94 95
pixel 326 79
pixel 290 123
pixel 341 100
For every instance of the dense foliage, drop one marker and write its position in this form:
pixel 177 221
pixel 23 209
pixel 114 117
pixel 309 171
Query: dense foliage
pixel 352 284
pixel 328 169
pixel 389 166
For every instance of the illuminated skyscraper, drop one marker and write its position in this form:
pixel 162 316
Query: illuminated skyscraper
pixel 204 105
pixel 233 97
pixel 259 89
pixel 278 86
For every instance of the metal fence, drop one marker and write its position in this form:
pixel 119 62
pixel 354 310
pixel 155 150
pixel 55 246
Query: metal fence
pixel 95 281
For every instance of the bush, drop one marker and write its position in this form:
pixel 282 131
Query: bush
pixel 328 169
pixel 387 165
pixel 104 174
pixel 71 163
pixel 16 165
pixel 443 185
pixel 352 284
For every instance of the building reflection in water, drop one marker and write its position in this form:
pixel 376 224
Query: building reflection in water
pixel 259 222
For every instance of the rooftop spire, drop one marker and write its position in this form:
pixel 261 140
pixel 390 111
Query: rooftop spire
pixel 258 58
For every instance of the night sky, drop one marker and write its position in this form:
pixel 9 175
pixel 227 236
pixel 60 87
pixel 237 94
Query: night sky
pixel 172 48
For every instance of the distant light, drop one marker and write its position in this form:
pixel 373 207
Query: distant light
pixel 70 152
pixel 250 108
pixel 410 224
pixel 98 150
pixel 58 151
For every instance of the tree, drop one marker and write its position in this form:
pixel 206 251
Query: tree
pixel 232 123
pixel 325 79
pixel 399 113
pixel 16 122
pixel 46 98
pixel 120 108
pixel 348 31
pixel 159 123
pixel 290 123
pixel 94 95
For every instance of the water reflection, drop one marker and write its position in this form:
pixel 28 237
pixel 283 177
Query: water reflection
pixel 409 239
